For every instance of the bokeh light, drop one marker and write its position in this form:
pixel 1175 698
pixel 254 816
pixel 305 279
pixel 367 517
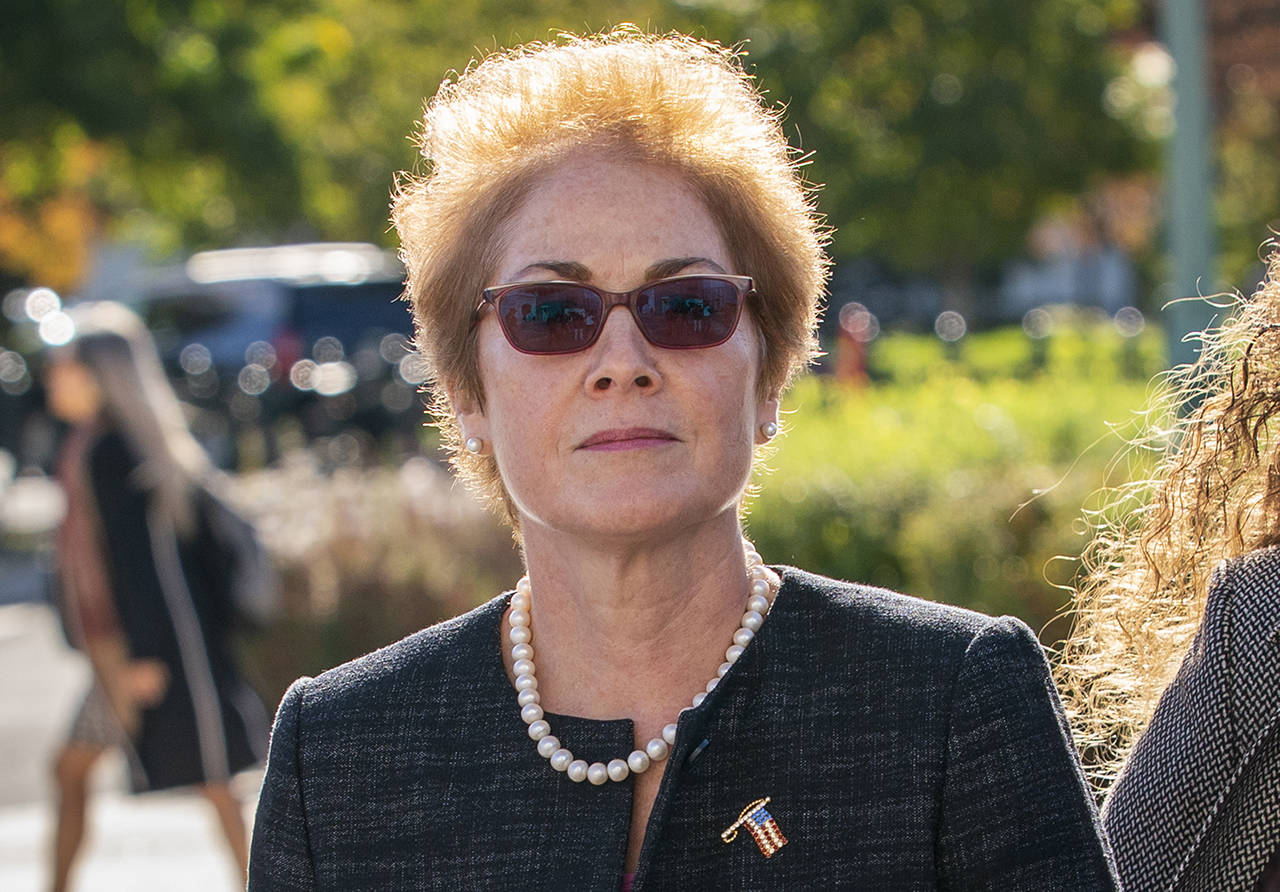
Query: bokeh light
pixel 195 359
pixel 950 326
pixel 56 328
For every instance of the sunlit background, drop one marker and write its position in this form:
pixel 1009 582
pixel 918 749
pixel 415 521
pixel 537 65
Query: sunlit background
pixel 1017 189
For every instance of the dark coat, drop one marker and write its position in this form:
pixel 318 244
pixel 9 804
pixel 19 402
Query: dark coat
pixel 1197 805
pixel 905 746
pixel 210 723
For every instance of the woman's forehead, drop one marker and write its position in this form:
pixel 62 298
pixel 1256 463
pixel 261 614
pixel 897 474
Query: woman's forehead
pixel 610 220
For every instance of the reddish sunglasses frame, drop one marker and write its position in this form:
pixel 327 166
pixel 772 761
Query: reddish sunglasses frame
pixel 744 286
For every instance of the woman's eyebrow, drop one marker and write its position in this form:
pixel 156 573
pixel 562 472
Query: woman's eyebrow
pixel 565 269
pixel 677 265
pixel 577 272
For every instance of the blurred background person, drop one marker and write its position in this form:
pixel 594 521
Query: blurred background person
pixel 1173 669
pixel 144 587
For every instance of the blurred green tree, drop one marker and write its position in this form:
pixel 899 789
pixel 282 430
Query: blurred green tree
pixel 940 127
pixel 943 128
pixel 137 113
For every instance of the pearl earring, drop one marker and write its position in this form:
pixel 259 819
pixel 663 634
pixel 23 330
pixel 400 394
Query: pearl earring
pixel 769 429
pixel 474 445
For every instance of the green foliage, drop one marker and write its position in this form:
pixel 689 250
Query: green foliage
pixel 939 127
pixel 947 479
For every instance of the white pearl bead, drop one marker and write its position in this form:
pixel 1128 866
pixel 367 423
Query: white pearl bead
pixel 759 604
pixel 548 746
pixel 520 601
pixel 523 585
pixel 539 730
pixel 522 652
pixel 743 637
pixel 698 698
pixel 597 773
pixel 618 770
pixel 760 588
pixel 752 620
pixel 525 682
pixel 711 685
pixel 531 713
pixel 520 635
pixel 561 758
pixel 669 733
pixel 527 696
pixel 734 652
pixel 753 557
pixel 518 618
pixel 638 762
pixel 577 771
pixel 759 572
pixel 724 667
pixel 522 667
pixel 657 749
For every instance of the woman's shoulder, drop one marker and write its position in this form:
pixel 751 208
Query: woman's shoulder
pixel 1241 609
pixel 884 627
pixel 1250 578
pixel 882 610
pixel 445 656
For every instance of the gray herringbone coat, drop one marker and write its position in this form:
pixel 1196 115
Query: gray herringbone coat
pixel 905 746
pixel 1197 806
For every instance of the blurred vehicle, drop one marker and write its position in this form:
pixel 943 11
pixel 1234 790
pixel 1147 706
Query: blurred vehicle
pixel 312 332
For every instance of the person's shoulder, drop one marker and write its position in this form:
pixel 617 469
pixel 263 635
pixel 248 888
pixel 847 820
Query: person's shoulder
pixel 920 649
pixel 1244 594
pixel 1258 569
pixel 438 656
pixel 846 604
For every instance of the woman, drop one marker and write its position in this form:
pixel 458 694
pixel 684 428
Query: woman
pixel 615 272
pixel 144 585
pixel 1178 618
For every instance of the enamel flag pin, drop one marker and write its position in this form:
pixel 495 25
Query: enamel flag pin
pixel 761 825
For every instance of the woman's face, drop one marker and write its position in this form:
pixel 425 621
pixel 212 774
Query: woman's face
pixel 72 393
pixel 624 437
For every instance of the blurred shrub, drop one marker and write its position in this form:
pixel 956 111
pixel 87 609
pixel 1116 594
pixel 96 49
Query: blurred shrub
pixel 956 479
pixel 958 475
pixel 366 556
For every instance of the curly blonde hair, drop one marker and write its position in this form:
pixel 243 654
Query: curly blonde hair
pixel 666 100
pixel 1214 493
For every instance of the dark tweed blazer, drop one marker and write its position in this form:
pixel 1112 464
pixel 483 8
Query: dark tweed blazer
pixel 1198 803
pixel 905 746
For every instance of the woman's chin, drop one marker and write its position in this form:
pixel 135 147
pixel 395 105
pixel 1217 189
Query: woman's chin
pixel 631 516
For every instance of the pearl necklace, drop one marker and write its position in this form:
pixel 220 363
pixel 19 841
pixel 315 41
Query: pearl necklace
pixel 764 586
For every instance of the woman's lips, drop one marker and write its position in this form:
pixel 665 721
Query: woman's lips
pixel 627 438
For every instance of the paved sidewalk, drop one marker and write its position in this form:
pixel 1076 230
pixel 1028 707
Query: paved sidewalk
pixel 159 841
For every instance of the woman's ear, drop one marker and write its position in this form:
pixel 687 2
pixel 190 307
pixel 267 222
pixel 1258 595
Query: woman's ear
pixel 767 418
pixel 469 414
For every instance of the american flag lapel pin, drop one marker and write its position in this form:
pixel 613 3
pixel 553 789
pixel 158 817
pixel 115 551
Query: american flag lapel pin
pixel 761 825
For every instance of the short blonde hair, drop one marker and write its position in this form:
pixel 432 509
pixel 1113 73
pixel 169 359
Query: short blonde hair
pixel 667 100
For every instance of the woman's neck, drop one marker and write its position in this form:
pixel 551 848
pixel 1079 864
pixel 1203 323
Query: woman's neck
pixel 633 631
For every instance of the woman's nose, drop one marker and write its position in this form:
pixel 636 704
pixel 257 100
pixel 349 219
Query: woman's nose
pixel 621 357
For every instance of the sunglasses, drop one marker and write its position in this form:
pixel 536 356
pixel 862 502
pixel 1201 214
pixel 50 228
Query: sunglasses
pixel 678 313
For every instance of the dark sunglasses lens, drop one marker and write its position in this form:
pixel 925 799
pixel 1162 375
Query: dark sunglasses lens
pixel 550 317
pixel 693 312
